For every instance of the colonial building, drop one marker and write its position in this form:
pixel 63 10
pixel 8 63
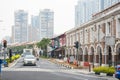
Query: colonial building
pixel 99 39
pixel 58 43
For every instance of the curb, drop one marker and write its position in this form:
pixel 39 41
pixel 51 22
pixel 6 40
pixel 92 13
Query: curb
pixel 67 66
pixel 14 63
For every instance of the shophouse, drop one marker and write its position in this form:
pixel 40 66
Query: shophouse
pixel 99 39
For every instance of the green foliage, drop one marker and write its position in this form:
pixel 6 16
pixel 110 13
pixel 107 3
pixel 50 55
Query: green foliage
pixel 17 48
pixel 43 43
pixel 97 70
pixel 30 46
pixel 8 60
pixel 111 70
pixel 103 69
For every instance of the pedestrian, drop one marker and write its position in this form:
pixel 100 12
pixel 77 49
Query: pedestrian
pixel 68 59
pixel 60 56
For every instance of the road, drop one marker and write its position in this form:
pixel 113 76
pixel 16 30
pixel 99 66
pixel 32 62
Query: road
pixel 44 70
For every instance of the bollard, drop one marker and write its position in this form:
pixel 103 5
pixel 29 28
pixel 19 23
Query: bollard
pixel 89 68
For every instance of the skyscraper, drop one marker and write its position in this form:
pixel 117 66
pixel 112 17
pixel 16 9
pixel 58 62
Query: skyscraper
pixel 80 13
pixel 46 18
pixel 85 9
pixel 34 29
pixel 35 21
pixel 108 3
pixel 20 29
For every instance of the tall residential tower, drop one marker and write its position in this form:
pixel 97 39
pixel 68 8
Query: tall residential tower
pixel 46 18
pixel 85 9
pixel 20 29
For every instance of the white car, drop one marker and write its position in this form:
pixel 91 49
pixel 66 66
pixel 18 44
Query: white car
pixel 29 60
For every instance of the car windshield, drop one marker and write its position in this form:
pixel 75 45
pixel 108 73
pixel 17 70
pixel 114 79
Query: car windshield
pixel 27 53
pixel 29 57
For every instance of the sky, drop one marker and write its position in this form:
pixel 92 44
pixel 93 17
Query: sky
pixel 64 13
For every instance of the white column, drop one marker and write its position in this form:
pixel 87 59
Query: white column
pixel 117 28
pixel 107 29
pixel 105 53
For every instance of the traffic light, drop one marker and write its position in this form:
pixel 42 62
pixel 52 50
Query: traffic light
pixel 76 44
pixel 4 43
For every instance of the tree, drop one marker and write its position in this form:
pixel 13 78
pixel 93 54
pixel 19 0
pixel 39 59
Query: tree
pixel 43 45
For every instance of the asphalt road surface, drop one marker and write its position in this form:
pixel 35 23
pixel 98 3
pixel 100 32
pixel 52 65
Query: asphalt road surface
pixel 44 70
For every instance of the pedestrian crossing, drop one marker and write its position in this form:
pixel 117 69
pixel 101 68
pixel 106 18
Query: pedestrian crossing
pixel 35 69
pixel 27 69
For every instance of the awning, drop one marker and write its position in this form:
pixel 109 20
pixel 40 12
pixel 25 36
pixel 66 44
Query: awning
pixel 59 49
pixel 53 49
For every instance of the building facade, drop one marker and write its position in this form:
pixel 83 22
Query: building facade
pixel 58 43
pixel 35 21
pixel 108 3
pixel 99 39
pixel 35 28
pixel 46 18
pixel 20 29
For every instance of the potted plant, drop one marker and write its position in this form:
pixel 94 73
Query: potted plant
pixel 110 71
pixel 96 70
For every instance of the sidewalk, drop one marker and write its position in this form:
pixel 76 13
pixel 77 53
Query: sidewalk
pixel 63 63
pixel 11 64
pixel 83 70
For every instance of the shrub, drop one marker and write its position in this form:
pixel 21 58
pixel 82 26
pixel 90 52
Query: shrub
pixel 111 70
pixel 101 69
pixel 8 60
pixel 96 69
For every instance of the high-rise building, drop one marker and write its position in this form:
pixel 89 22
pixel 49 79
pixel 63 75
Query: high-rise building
pixel 85 9
pixel 35 30
pixel 35 21
pixel 46 18
pixel 33 33
pixel 20 29
pixel 108 3
pixel 80 13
